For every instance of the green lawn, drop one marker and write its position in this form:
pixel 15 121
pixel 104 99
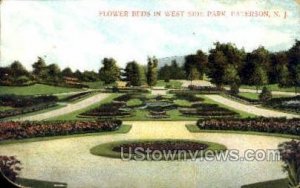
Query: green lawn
pixel 37 89
pixel 272 87
pixel 242 113
pixel 95 85
pixel 134 102
pixel 255 96
pixel 172 84
pixel 3 108
pixel 182 103
pixel 280 183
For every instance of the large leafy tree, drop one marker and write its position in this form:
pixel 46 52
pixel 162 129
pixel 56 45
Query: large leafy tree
pixel 294 62
pixel 17 69
pixel 53 72
pixel 133 74
pixel 198 61
pixel 220 57
pixel 279 72
pixel 40 69
pixel 67 72
pixel 109 72
pixel 152 71
pixel 259 77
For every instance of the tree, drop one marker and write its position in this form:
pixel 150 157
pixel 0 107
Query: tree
pixel 17 69
pixel 164 73
pixel 53 72
pixel 297 79
pixel 259 77
pixel 109 72
pixel 176 72
pixel 133 74
pixel 265 95
pixel 294 62
pixel 67 72
pixel 40 69
pixel 152 71
pixel 283 75
pixel 222 56
pixel 232 78
pixel 193 74
pixel 198 61
pixel 78 74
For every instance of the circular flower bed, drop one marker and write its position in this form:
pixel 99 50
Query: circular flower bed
pixel 158 150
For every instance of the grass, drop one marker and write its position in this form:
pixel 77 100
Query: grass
pixel 74 115
pixel 122 130
pixel 182 103
pixel 242 113
pixel 34 113
pixel 39 183
pixel 174 84
pixel 280 183
pixel 105 150
pixel 195 129
pixel 134 102
pixel 255 96
pixel 37 89
pixel 272 87
pixel 95 85
pixel 3 108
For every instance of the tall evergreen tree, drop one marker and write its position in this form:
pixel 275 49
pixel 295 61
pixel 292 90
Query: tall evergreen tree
pixel 133 74
pixel 109 72
pixel 152 71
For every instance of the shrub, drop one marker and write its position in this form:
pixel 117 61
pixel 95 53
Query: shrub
pixel 25 101
pixel 265 95
pixel 10 167
pixel 234 89
pixel 290 155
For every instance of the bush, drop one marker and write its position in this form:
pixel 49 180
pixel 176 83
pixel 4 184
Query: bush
pixel 234 89
pixel 10 167
pixel 265 95
pixel 290 155
pixel 27 129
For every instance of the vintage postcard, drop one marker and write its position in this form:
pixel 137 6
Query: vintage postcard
pixel 150 93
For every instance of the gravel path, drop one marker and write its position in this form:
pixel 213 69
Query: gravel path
pixel 67 109
pixel 249 108
pixel 68 160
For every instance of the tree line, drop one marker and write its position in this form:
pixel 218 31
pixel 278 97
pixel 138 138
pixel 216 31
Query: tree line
pixel 225 64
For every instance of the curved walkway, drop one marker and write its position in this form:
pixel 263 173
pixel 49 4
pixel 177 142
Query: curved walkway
pixel 69 160
pixel 249 108
pixel 67 109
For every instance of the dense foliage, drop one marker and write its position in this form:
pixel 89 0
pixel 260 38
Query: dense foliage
pixel 19 101
pixel 10 167
pixel 290 155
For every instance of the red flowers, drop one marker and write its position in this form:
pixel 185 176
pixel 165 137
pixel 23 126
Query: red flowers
pixel 269 125
pixel 20 130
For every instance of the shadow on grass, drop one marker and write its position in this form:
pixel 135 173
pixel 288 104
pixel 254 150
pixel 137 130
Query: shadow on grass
pixel 280 183
pixel 39 183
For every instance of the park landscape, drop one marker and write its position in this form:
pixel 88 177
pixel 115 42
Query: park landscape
pixel 66 128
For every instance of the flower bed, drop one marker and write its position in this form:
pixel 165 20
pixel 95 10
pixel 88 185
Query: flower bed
pixel 285 103
pixel 203 109
pixel 21 130
pixel 76 96
pixel 108 110
pixel 25 101
pixel 188 96
pixel 269 125
pixel 206 89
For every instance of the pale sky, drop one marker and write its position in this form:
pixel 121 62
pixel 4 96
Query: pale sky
pixel 72 34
